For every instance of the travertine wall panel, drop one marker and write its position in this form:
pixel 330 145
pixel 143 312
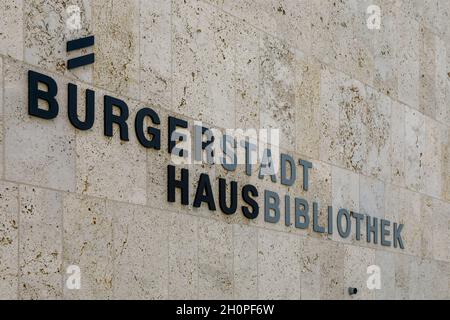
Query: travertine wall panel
pixel 369 108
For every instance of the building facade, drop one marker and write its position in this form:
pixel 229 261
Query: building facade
pixel 358 91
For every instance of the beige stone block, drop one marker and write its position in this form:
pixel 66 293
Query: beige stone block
pixel 345 189
pixel 88 244
pixel 332 93
pixel 402 275
pixel 428 88
pixel 357 260
pixel 312 254
pixel 183 257
pixel 247 78
pixel 415 148
pixel 332 258
pixel 334 31
pixel 1 119
pixel 281 74
pixel 215 260
pixel 386 261
pixel 245 263
pixel 11 30
pixel 108 167
pixel 307 112
pixel 440 280
pixel 9 240
pixel 446 167
pixel 204 48
pixel 40 244
pixel 441 231
pixel 47 28
pixel 377 48
pixel 371 197
pixel 288 20
pixel 278 265
pixel 408 59
pixel 432 159
pixel 49 159
pixel 397 144
pixel 401 206
pixel 116 26
pixel 155 51
pixel 140 245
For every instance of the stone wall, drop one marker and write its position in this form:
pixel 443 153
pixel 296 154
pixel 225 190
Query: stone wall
pixel 369 108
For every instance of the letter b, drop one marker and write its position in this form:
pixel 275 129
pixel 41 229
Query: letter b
pixel 35 94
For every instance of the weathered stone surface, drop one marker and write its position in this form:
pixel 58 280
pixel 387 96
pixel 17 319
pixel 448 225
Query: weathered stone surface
pixel 245 244
pixel 155 48
pixel 357 260
pixel 204 42
pixel 322 269
pixel 183 257
pixel 116 24
pixel 47 28
pixel 108 167
pixel 215 260
pixel 88 244
pixel 40 244
pixel 278 265
pixel 49 160
pixel 9 240
pixel 140 242
pixel 11 28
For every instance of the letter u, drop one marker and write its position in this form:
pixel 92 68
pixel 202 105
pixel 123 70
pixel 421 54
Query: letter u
pixel 72 105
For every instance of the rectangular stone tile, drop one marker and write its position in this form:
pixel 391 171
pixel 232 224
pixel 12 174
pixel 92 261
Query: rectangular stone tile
pixel 307 112
pixel 311 253
pixel 245 263
pixel 49 160
pixel 155 50
pixel 281 73
pixel 140 245
pixel 204 48
pixel 116 26
pixel 40 244
pixel 183 257
pixel 403 207
pixel 334 32
pixel 397 144
pixel 432 158
pixel 108 167
pixel 446 167
pixel 88 244
pixel 415 148
pixel 441 231
pixel 408 59
pixel 247 77
pixel 386 262
pixel 48 25
pixel 345 191
pixel 215 260
pixel 371 197
pixel 285 19
pixel 9 240
pixel 440 272
pixel 332 271
pixel 11 30
pixel 402 275
pixel 1 119
pixel 332 93
pixel 356 262
pixel 428 88
pixel 278 265
pixel 377 47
